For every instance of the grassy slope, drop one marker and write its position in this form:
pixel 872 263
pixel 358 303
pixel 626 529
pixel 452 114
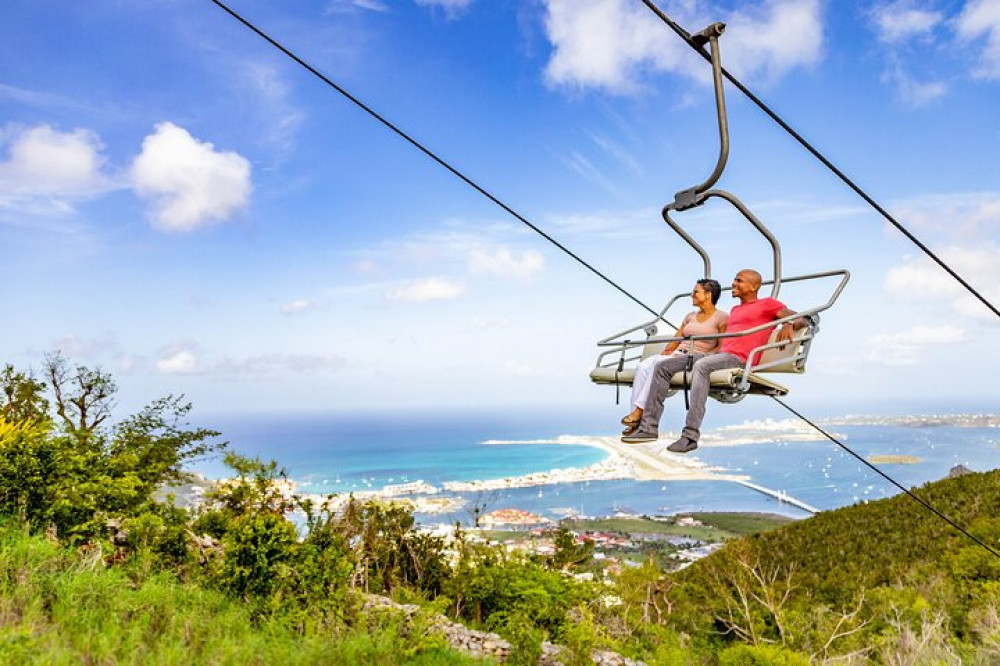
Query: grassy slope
pixel 716 526
pixel 59 608
pixel 836 553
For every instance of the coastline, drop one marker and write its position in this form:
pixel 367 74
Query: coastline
pixel 619 462
pixel 635 462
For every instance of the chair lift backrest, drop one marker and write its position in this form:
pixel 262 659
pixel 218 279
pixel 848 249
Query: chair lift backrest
pixel 653 348
pixel 802 340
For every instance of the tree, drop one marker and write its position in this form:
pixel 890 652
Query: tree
pixel 84 397
pixel 480 503
pixel 23 397
pixel 569 554
pixel 77 477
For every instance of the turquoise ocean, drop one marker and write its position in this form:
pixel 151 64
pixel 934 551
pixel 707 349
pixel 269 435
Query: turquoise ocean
pixel 339 453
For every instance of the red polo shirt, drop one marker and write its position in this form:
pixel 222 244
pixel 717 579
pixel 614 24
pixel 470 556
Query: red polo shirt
pixel 748 315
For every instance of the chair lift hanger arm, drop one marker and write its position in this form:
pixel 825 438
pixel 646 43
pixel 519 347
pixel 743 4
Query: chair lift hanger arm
pixel 695 43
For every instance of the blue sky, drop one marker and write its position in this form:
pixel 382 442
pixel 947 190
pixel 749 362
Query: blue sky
pixel 182 205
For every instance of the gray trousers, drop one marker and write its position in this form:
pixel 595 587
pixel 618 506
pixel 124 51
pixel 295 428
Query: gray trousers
pixel 704 366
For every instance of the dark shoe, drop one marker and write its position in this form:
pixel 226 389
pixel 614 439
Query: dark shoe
pixel 629 429
pixel 627 421
pixel 640 437
pixel 683 445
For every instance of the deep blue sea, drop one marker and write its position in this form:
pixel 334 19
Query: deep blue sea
pixel 340 453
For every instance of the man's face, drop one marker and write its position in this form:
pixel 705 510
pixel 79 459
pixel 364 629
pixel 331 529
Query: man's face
pixel 743 285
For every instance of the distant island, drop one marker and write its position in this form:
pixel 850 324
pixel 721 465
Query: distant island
pixel 891 459
pixel 919 420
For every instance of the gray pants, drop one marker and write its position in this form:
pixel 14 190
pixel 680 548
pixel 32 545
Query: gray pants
pixel 704 366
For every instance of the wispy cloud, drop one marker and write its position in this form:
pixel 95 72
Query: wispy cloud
pixel 902 26
pixel 426 290
pixel 282 118
pixel 297 306
pixel 519 369
pixel 190 183
pixel 903 20
pixel 186 359
pixel 909 347
pixel 921 279
pixel 39 99
pixel 46 171
pixel 86 348
pixel 965 216
pixel 586 169
pixel 501 262
pixel 611 44
pixel 911 91
pixel 354 6
pixel 453 9
pixel 970 224
pixel 980 19
pixel 618 152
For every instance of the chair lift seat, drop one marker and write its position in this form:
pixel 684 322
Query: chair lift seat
pixel 724 384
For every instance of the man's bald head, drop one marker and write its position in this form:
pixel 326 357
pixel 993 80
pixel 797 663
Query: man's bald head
pixel 746 284
pixel 752 276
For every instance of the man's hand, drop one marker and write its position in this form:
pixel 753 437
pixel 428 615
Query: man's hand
pixel 785 333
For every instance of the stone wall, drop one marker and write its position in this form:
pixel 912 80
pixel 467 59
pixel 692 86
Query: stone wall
pixel 486 644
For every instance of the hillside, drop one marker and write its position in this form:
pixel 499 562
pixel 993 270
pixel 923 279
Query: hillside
pixel 889 557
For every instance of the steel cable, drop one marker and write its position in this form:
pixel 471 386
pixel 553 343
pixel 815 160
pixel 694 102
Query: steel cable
pixel 686 36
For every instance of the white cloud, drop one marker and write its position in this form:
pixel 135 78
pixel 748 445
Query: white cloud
pixel 296 306
pixel 429 289
pixel 897 24
pixel 365 266
pixel 773 38
pixel 47 169
pixel 912 92
pixel 348 6
pixel 609 44
pixel 899 21
pixel 182 362
pixel 191 184
pixel 605 44
pixel 922 279
pixel 75 347
pixel 185 359
pixel 281 120
pixel 452 9
pixel 966 216
pixel 618 152
pixel 908 347
pixel 981 19
pixel 270 365
pixel 502 263
pixel 519 369
pixel 588 171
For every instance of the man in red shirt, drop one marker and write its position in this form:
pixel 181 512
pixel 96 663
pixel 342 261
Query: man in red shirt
pixel 733 353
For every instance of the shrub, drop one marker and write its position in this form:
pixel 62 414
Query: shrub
pixel 761 655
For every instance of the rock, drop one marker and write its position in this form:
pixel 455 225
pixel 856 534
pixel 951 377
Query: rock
pixel 486 644
pixel 958 470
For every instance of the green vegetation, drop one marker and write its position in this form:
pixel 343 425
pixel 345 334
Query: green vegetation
pixel 97 565
pixel 62 607
pixel 714 528
pixel 742 524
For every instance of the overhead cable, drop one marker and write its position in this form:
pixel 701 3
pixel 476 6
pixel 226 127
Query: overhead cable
pixel 888 478
pixel 686 36
pixel 429 153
